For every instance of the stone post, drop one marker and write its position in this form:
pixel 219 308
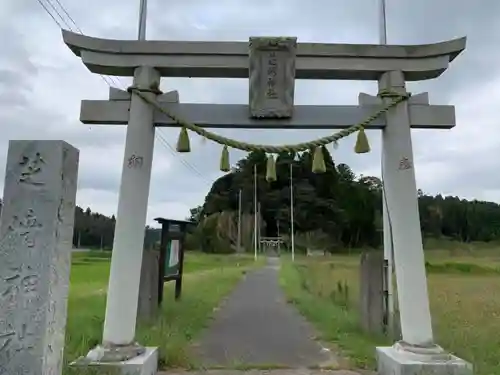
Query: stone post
pixel 416 353
pixel 36 233
pixel 372 292
pixel 147 307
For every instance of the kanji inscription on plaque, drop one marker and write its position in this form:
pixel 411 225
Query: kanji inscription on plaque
pixel 272 77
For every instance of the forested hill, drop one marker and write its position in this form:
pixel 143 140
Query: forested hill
pixel 344 207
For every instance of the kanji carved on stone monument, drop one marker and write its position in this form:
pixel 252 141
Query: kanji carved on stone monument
pixel 32 166
pixel 15 338
pixel 25 227
pixel 21 281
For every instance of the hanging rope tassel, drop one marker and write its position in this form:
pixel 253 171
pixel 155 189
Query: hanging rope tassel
pixel 318 165
pixel 362 146
pixel 271 169
pixel 183 141
pixel 224 160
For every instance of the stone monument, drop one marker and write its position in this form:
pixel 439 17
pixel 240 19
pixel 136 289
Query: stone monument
pixel 147 306
pixel 271 106
pixel 36 234
pixel 371 292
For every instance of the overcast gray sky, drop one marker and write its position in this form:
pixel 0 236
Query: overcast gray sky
pixel 42 83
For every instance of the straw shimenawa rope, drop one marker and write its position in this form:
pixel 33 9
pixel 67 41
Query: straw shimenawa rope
pixel 362 145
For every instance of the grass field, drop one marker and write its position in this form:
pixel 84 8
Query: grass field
pixel 207 279
pixel 464 285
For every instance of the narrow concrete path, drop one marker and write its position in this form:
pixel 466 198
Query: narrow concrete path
pixel 302 371
pixel 255 326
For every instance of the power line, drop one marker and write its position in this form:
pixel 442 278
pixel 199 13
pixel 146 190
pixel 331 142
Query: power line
pixel 63 20
pixel 59 14
pixel 50 14
pixel 183 161
pixel 159 135
pixel 68 15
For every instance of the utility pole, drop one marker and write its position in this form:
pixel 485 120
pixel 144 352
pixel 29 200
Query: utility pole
pixel 279 237
pixel 239 222
pixel 141 35
pixel 255 211
pixel 387 239
pixel 259 224
pixel 382 23
pixel 291 212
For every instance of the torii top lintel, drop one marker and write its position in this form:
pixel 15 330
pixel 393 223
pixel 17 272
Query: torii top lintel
pixel 230 59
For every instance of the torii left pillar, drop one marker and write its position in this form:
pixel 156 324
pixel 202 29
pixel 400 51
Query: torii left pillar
pixel 123 290
pixel 124 280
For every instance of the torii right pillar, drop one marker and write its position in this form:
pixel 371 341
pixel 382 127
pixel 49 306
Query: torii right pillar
pixel 417 352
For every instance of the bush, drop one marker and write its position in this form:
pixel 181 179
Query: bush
pixel 209 237
pixel 192 241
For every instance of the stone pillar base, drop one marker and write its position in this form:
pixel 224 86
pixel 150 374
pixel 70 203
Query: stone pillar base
pixel 400 359
pixel 142 364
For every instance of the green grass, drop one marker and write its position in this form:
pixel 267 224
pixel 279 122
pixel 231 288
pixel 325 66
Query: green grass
pixel 206 281
pixel 336 323
pixel 463 292
pixel 195 262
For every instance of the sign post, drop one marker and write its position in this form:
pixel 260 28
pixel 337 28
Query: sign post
pixel 173 233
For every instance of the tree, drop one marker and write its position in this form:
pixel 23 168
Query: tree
pixel 347 209
pixel 195 214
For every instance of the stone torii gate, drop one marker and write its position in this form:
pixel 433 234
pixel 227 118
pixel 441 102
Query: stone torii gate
pixel 271 65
